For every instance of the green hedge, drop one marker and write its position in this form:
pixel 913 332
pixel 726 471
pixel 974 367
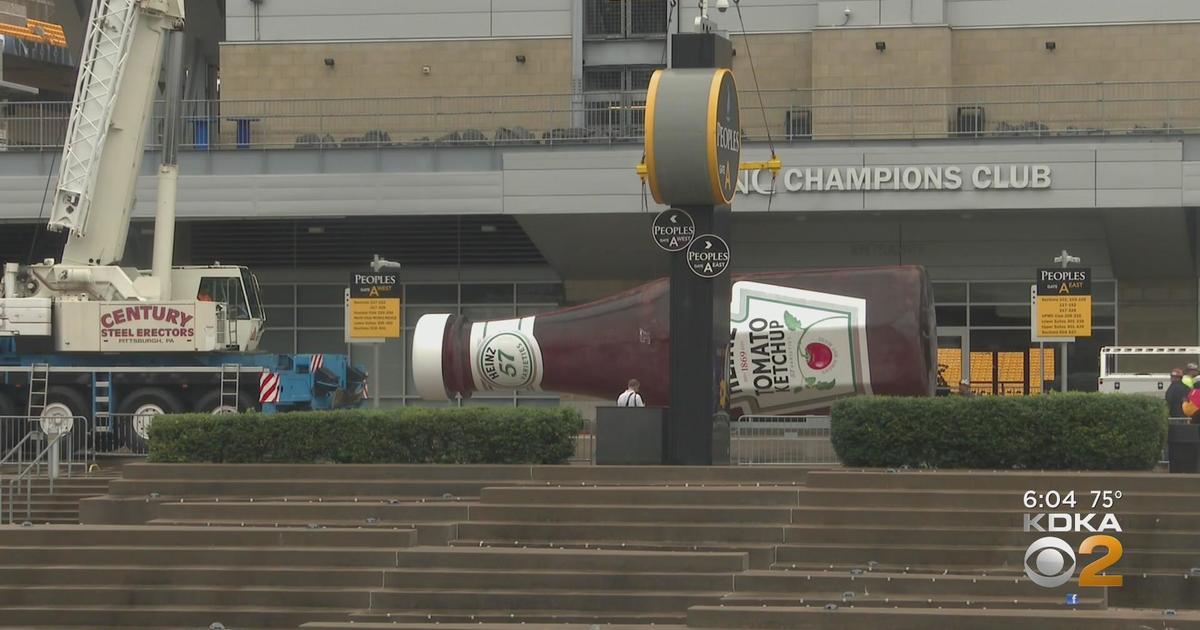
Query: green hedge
pixel 472 435
pixel 1074 431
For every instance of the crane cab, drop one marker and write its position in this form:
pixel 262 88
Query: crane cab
pixel 235 290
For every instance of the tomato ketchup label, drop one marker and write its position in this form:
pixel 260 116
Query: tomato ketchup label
pixel 505 355
pixel 792 350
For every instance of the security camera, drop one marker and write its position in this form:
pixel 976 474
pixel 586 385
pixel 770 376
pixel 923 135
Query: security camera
pixel 722 5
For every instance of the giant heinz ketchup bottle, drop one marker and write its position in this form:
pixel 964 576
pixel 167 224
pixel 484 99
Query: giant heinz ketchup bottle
pixel 799 340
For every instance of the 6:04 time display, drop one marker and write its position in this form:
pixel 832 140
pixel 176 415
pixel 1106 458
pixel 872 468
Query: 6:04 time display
pixel 1051 499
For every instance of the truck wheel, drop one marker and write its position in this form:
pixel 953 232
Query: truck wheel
pixel 210 402
pixel 66 410
pixel 143 404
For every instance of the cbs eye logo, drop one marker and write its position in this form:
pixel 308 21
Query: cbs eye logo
pixel 1050 561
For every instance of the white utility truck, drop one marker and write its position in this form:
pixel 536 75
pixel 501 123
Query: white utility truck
pixel 84 336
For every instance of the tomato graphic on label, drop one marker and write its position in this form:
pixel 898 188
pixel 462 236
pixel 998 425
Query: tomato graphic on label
pixel 818 355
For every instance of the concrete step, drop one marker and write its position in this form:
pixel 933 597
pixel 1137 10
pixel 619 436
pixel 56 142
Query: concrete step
pixel 553 581
pixel 886 583
pixel 497 473
pixel 997 534
pixel 437 534
pixel 623 514
pixel 522 619
pixel 956 517
pixel 1032 602
pixel 818 618
pixel 439 625
pixel 964 556
pixel 215 556
pixel 722 496
pixel 145 536
pixel 593 601
pixel 966 499
pixel 190 595
pixel 313 511
pixel 158 617
pixel 759 556
pixel 609 532
pixel 182 575
pixel 1012 481
pixel 570 560
pixel 201 487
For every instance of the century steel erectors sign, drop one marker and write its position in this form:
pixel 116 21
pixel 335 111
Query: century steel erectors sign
pixel 1063 302
pixel 373 307
pixel 898 178
pixel 693 137
pixel 147 327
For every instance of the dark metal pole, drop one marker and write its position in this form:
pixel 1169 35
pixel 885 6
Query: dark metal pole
pixel 699 310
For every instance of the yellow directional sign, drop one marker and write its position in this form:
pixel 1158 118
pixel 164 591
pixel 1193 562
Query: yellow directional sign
pixel 1064 302
pixel 1064 316
pixel 373 307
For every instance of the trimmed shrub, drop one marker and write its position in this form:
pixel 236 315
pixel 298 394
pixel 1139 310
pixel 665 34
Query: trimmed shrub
pixel 410 435
pixel 1073 431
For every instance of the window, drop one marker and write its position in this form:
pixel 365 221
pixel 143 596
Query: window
pixel 227 291
pixel 616 99
pixel 618 19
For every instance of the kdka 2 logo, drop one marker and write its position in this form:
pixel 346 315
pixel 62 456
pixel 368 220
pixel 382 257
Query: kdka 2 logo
pixel 1050 561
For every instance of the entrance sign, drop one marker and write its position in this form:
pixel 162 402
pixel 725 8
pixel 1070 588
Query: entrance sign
pixel 673 230
pixel 372 308
pixel 708 256
pixel 1063 302
pixel 693 137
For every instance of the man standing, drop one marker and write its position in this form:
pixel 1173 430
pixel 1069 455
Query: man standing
pixel 631 397
pixel 964 388
pixel 1177 392
pixel 1191 375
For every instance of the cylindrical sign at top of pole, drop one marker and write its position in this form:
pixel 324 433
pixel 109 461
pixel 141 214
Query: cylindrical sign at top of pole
pixel 693 136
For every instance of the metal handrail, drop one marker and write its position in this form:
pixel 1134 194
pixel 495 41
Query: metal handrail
pixel 24 475
pixel 1135 107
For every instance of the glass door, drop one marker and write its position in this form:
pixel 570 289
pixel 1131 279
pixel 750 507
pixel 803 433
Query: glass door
pixel 953 357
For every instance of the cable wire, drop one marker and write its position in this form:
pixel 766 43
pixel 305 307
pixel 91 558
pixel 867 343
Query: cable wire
pixel 737 4
pixel 37 229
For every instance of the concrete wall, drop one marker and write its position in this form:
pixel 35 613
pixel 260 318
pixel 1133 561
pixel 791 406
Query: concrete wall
pixel 298 20
pixel 848 58
pixel 264 74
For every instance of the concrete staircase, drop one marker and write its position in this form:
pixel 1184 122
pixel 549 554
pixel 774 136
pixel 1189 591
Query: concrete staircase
pixel 60 505
pixel 547 546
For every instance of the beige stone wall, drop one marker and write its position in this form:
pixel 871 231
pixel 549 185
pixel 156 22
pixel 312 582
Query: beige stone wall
pixel 259 79
pixel 1082 55
pixel 783 63
pixel 916 58
pixel 1156 312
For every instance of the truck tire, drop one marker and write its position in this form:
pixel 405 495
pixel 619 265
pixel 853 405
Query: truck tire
pixel 67 406
pixel 142 405
pixel 210 402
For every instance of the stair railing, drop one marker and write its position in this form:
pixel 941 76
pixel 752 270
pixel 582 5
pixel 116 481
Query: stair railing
pixel 32 469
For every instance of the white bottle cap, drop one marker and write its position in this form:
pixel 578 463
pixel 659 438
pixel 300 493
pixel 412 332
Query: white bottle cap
pixel 427 356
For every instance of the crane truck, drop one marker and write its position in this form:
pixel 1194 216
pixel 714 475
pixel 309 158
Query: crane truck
pixel 84 336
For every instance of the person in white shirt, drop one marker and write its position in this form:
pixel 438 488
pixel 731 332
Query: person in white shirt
pixel 631 397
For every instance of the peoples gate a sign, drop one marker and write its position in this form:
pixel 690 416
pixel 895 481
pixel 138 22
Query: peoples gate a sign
pixel 372 307
pixel 1064 302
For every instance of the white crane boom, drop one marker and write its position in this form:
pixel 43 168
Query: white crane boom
pixel 114 99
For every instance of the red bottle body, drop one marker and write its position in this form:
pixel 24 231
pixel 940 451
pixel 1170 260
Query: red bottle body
pixel 798 341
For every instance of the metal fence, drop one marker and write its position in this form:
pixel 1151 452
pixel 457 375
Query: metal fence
pixel 31 448
pixel 781 440
pixel 1083 109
